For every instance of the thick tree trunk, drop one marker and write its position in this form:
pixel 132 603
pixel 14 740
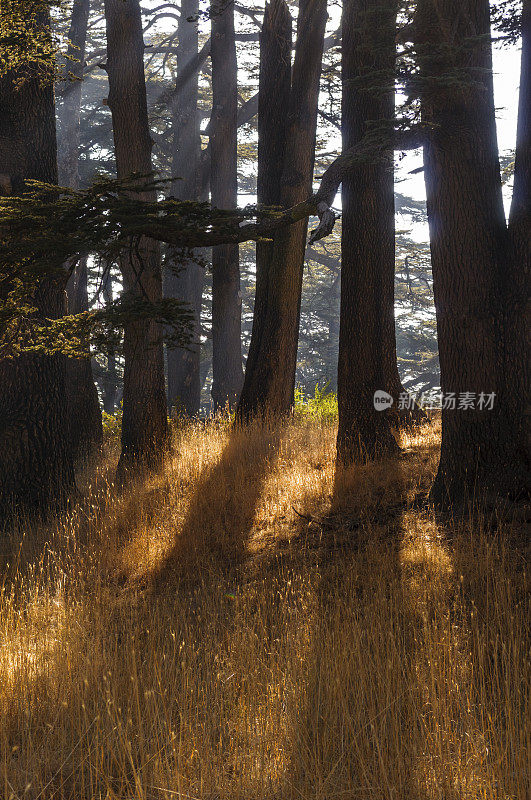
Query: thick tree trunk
pixel 36 463
pixel 144 421
pixel 270 376
pixel 367 347
pixel 334 305
pixel 83 412
pixel 184 383
pixel 227 372
pixel 480 451
pixel 273 99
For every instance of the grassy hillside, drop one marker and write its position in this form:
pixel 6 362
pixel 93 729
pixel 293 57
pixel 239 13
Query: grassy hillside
pixel 248 625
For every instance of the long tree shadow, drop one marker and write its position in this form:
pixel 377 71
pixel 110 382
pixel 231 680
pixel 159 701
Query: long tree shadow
pixel 352 733
pixel 219 519
pixel 418 642
pixel 123 656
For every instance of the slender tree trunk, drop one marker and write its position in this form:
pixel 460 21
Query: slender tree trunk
pixel 36 463
pixel 367 345
pixel 83 405
pixel 270 377
pixel 109 382
pixel 144 421
pixel 184 385
pixel 480 451
pixel 227 372
pixel 84 413
pixel 69 109
pixel 517 276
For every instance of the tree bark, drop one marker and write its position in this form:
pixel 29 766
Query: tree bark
pixel 273 99
pixel 270 377
pixel 84 413
pixel 227 372
pixel 109 384
pixel 517 276
pixel 83 405
pixel 480 449
pixel 144 421
pixel 367 346
pixel 36 463
pixel 69 109
pixel 184 384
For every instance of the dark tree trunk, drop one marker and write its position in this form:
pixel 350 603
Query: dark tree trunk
pixel 184 384
pixel 270 377
pixel 83 405
pixel 273 99
pixel 109 384
pixel 334 304
pixel 36 463
pixel 480 451
pixel 144 421
pixel 367 347
pixel 517 276
pixel 227 372
pixel 83 412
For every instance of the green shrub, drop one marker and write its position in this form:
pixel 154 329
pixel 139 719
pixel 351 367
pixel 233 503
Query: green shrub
pixel 322 405
pixel 112 424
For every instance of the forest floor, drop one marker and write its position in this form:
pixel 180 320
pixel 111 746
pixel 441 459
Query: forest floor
pixel 247 624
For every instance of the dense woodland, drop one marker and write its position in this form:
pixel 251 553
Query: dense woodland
pixel 210 275
pixel 183 135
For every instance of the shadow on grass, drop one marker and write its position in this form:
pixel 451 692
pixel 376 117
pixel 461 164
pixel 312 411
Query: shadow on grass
pixel 353 727
pixel 219 519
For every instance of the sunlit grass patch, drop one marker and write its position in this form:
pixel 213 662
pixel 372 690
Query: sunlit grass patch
pixel 247 624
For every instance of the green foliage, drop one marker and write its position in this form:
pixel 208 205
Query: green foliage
pixel 27 44
pixel 322 405
pixel 112 425
pixel 24 330
pixel 50 226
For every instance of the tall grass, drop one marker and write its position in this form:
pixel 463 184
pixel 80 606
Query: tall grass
pixel 250 625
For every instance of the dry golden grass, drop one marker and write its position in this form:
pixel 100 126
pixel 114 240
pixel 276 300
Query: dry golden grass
pixel 248 625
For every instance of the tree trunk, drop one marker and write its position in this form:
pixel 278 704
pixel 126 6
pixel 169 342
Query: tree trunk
pixel 109 383
pixel 273 99
pixel 270 376
pixel 144 421
pixel 36 463
pixel 480 452
pixel 69 109
pixel 367 346
pixel 83 413
pixel 184 384
pixel 227 373
pixel 83 405
pixel 517 276
pixel 334 305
